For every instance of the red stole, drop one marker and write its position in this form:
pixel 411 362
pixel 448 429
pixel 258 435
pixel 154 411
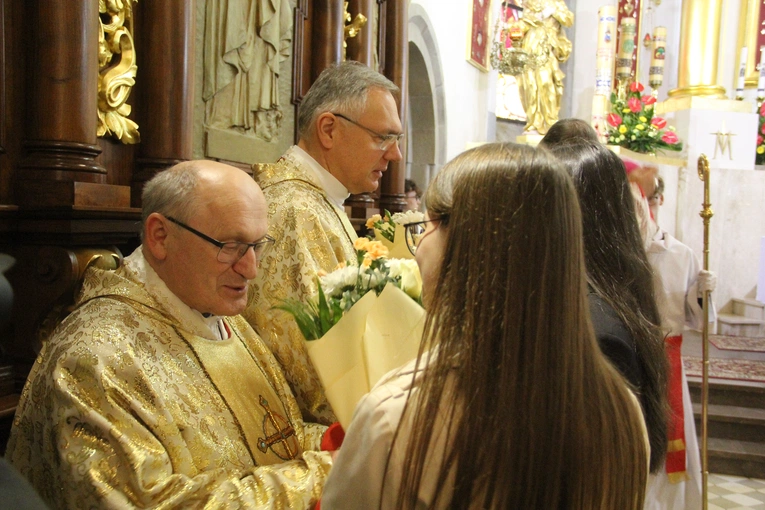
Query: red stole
pixel 676 455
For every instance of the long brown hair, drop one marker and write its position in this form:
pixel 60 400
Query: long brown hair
pixel 538 417
pixel 619 272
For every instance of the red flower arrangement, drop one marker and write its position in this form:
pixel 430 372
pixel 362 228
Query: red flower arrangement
pixel 633 126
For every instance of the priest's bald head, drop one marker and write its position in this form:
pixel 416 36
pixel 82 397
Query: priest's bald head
pixel 204 229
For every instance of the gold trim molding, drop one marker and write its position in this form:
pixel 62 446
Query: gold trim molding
pixel 116 70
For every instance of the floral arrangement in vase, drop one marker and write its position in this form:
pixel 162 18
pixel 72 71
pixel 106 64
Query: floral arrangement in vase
pixel 633 125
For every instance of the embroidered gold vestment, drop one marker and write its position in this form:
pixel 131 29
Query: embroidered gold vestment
pixel 311 235
pixel 127 406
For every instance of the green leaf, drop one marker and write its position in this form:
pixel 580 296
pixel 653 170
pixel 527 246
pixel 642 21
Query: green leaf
pixel 325 317
pixel 304 318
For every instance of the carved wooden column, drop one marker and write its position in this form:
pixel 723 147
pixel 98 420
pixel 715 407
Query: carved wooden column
pixel 362 47
pixel 164 87
pixel 328 30
pixel 392 196
pixel 60 143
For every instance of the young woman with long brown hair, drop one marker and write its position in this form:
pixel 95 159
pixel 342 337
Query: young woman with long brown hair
pixel 620 280
pixel 511 403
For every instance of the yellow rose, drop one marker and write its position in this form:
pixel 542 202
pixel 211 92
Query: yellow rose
pixel 622 129
pixel 376 249
pixel 373 219
pixel 640 127
pixel 760 149
pixel 411 281
pixel 642 119
pixel 361 243
pixel 626 110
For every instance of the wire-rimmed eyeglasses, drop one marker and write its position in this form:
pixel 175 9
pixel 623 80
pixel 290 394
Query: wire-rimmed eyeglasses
pixel 415 231
pixel 386 141
pixel 230 252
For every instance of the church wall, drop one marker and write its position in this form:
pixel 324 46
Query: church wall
pixel 469 92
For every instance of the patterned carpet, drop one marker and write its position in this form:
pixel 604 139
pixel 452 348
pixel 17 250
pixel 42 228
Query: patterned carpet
pixel 738 343
pixel 738 369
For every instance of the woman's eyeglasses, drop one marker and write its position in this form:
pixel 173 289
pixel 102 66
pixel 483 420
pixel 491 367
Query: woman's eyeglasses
pixel 415 231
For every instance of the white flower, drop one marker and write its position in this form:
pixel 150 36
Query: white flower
pixel 402 218
pixel 338 279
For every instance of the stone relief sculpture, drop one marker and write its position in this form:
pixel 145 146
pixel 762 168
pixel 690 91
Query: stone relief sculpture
pixel 245 41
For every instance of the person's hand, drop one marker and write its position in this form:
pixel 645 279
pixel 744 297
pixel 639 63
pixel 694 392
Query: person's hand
pixel 707 282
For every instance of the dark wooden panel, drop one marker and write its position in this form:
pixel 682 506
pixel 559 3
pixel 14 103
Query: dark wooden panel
pixel 118 159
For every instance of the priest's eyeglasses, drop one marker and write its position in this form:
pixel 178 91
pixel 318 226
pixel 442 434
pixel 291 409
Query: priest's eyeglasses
pixel 230 252
pixel 416 231
pixel 386 141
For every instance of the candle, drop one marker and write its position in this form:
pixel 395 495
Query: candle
pixel 598 120
pixel 761 80
pixel 606 52
pixel 741 74
pixel 656 71
pixel 626 49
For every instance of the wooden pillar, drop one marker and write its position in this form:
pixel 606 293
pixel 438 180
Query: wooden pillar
pixel 392 196
pixel 362 47
pixel 60 143
pixel 327 35
pixel 164 87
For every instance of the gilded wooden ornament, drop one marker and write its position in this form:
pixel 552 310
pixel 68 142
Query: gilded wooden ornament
pixel 117 70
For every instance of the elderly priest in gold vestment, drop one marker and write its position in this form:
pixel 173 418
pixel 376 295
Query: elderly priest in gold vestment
pixel 349 131
pixel 154 392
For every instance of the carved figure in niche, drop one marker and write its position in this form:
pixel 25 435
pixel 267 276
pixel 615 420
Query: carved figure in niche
pixel 245 43
pixel 541 82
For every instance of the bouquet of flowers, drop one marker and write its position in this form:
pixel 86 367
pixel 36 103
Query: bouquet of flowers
pixel 633 125
pixel 389 230
pixel 366 320
pixel 759 158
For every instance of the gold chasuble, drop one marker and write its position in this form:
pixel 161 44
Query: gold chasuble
pixel 312 235
pixel 134 403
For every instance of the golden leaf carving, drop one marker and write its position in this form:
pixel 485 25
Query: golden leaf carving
pixel 117 70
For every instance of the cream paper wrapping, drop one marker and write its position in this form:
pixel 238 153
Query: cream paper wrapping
pixel 398 248
pixel 378 334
